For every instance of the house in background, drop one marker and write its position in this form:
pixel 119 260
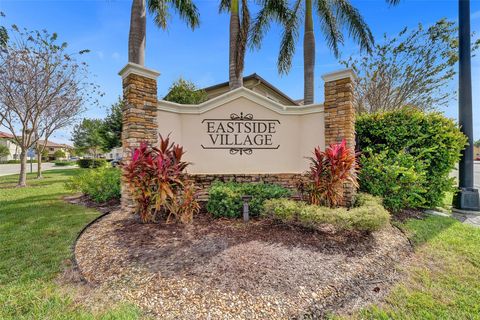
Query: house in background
pixel 53 147
pixel 6 139
pixel 114 154
pixel 258 85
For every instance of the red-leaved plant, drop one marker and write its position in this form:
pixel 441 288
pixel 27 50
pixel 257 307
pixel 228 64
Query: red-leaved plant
pixel 154 176
pixel 329 170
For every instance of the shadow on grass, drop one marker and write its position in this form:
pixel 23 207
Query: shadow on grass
pixel 31 201
pixel 422 231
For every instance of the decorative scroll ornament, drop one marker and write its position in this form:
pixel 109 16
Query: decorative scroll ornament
pixel 245 117
pixel 240 151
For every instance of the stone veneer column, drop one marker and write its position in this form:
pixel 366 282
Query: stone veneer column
pixel 340 115
pixel 139 115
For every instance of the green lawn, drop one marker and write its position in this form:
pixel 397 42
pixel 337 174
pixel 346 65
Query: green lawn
pixel 444 279
pixel 37 229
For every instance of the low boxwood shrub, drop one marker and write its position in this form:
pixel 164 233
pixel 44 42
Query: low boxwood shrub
pixel 91 163
pixel 225 199
pixel 101 184
pixel 64 163
pixel 367 215
pixel 431 142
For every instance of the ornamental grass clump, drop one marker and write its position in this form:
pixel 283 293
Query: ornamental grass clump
pixel 329 170
pixel 156 181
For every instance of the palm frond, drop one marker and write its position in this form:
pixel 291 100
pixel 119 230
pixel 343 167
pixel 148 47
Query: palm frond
pixel 329 25
pixel 351 18
pixel 289 39
pixel 159 9
pixel 224 6
pixel 188 11
pixel 271 10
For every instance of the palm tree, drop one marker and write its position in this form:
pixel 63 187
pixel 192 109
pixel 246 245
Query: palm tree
pixel 334 15
pixel 239 30
pixel 159 8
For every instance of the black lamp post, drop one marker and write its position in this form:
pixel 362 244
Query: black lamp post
pixel 467 198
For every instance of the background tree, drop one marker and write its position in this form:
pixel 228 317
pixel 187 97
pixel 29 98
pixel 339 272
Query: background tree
pixel 111 129
pixel 334 16
pixel 44 155
pixel 38 77
pixel 413 68
pixel 3 35
pixel 59 154
pixel 477 143
pixel 87 138
pixel 185 92
pixel 4 151
pixel 186 9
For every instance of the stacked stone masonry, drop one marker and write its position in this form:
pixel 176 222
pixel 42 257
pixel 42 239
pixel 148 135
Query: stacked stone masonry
pixel 139 120
pixel 340 121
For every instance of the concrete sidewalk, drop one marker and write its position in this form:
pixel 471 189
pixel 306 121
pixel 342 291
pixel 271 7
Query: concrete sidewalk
pixel 8 169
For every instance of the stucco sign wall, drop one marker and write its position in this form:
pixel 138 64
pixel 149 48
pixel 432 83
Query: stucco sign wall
pixel 243 132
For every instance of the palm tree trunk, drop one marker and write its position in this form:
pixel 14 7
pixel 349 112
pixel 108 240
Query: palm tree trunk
pixel 308 55
pixel 235 81
pixel 136 37
pixel 22 179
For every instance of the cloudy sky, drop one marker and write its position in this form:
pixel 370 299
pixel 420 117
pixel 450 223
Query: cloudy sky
pixel 202 56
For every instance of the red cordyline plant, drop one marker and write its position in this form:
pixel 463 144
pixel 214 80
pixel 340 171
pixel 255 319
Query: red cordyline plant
pixel 154 176
pixel 329 170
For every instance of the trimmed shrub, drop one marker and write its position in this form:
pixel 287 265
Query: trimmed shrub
pixel 91 163
pixel 101 184
pixel 399 178
pixel 368 216
pixel 430 139
pixel 225 199
pixel 64 163
pixel 17 161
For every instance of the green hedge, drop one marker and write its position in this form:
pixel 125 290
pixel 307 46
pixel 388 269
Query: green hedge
pixel 405 147
pixel 225 199
pixel 367 216
pixel 91 163
pixel 101 184
pixel 64 163
pixel 16 161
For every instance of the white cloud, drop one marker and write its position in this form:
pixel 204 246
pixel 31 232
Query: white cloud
pixel 116 56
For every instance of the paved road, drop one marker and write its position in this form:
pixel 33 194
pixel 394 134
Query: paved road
pixel 7 169
pixel 476 180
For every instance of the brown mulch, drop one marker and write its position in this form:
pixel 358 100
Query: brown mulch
pixel 226 269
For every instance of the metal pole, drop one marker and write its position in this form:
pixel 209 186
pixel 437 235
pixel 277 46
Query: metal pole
pixel 467 197
pixel 465 116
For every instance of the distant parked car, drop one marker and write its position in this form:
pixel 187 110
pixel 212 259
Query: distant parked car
pixel 477 158
pixel 115 163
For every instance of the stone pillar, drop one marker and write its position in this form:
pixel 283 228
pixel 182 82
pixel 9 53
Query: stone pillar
pixel 139 115
pixel 340 115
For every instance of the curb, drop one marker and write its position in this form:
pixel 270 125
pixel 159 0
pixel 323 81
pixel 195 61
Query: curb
pixel 73 247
